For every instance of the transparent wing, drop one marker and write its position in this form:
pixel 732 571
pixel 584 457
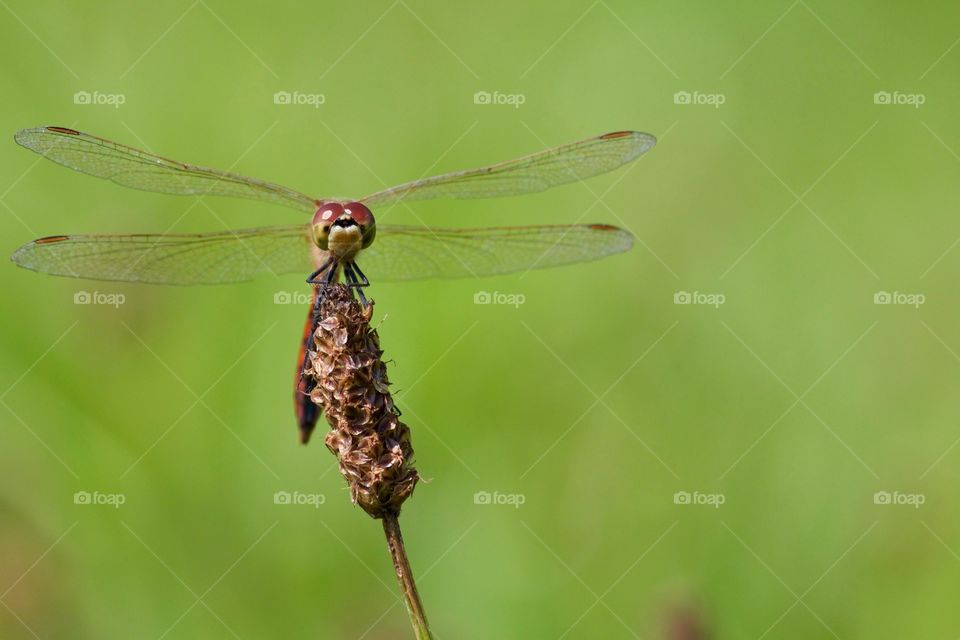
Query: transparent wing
pixel 208 258
pixel 406 253
pixel 536 172
pixel 399 253
pixel 141 170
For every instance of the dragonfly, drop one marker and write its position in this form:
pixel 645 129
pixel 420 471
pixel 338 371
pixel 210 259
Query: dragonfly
pixel 340 233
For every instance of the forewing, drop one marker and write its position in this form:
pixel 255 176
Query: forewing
pixel 141 170
pixel 536 172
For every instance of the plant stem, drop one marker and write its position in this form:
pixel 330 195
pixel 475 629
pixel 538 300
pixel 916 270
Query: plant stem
pixel 391 528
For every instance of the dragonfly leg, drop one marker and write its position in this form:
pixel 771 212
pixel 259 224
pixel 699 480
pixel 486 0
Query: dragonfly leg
pixel 349 271
pixel 329 279
pixel 363 278
pixel 312 278
pixel 330 267
pixel 320 287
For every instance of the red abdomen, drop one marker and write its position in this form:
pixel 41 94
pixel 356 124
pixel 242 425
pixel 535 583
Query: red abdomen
pixel 307 412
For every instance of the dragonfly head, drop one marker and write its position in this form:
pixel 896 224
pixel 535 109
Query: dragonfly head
pixel 344 228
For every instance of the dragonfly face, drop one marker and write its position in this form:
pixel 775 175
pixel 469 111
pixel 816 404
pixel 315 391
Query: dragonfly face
pixel 343 229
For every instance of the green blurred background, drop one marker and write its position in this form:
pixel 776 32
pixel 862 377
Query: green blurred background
pixel 797 199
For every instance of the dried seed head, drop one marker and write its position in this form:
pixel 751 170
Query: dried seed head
pixel 351 387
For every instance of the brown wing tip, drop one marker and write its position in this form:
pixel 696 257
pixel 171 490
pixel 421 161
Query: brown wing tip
pixel 637 143
pixel 71 132
pixel 50 239
pixel 23 255
pixel 623 238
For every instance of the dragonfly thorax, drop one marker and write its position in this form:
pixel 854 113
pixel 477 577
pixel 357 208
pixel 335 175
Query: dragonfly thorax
pixel 343 229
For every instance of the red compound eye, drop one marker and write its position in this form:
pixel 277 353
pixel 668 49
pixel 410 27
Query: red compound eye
pixel 360 213
pixel 327 213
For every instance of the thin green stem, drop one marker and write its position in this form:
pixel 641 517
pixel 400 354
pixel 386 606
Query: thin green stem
pixel 391 528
